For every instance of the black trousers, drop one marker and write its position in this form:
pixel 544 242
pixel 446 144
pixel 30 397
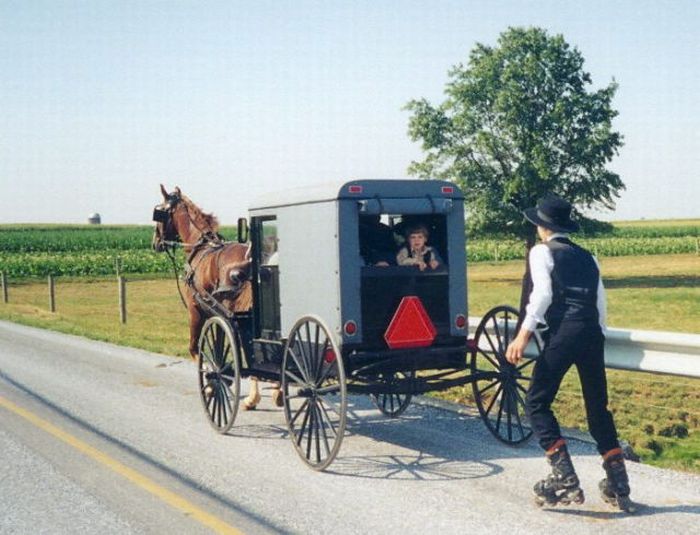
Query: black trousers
pixel 580 344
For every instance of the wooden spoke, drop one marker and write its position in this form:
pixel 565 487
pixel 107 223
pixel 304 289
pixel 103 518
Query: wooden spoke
pixel 219 373
pixel 393 404
pixel 318 438
pixel 498 398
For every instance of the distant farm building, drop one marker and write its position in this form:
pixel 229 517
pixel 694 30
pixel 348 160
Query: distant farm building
pixel 94 219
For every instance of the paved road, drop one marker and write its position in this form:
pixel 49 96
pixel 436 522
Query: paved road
pixel 98 438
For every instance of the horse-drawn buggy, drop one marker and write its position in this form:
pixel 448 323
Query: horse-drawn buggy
pixel 337 304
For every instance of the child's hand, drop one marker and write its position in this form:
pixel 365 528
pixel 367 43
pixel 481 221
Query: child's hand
pixel 422 266
pixel 434 264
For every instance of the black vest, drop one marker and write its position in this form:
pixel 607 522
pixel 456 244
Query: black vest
pixel 574 284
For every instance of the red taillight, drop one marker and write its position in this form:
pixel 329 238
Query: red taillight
pixel 448 189
pixel 355 189
pixel 460 321
pixel 350 327
pixel 329 356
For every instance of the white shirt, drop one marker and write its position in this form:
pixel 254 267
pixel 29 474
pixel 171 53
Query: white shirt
pixel 541 265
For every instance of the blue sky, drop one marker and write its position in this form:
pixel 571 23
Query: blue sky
pixel 102 101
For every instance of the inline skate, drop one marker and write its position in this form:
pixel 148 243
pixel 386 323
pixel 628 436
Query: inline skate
pixel 562 485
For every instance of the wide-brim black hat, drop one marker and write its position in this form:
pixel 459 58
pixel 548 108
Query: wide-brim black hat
pixel 553 213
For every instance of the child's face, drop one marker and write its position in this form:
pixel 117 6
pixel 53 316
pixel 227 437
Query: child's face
pixel 416 241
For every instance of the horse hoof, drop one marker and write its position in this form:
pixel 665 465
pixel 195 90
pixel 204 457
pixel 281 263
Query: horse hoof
pixel 250 403
pixel 277 398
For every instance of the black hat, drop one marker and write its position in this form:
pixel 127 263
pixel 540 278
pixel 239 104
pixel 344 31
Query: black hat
pixel 553 213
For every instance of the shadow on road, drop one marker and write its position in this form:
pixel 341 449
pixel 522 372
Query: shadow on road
pixel 643 510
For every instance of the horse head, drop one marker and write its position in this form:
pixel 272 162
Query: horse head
pixel 164 216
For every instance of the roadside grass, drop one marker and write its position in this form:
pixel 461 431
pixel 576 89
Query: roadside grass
pixel 156 319
pixel 644 292
pixel 658 415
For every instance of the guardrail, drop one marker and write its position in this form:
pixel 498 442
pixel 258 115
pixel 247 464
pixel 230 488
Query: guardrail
pixel 646 351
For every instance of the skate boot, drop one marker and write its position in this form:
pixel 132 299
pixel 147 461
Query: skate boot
pixel 562 485
pixel 615 488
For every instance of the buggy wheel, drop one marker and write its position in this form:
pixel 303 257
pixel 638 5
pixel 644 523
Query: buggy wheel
pixel 315 395
pixel 500 396
pixel 219 373
pixel 393 405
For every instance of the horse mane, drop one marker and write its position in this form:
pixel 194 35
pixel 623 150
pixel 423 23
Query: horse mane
pixel 200 218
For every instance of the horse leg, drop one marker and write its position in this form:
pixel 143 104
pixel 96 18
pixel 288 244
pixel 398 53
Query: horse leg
pixel 253 398
pixel 196 324
pixel 277 395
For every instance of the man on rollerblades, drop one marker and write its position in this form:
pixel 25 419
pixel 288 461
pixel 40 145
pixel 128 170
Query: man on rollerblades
pixel 568 298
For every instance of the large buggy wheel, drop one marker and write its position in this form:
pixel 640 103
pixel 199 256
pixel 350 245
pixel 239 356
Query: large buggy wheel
pixel 393 405
pixel 315 394
pixel 219 373
pixel 500 398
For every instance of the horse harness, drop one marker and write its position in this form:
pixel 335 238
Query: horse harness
pixel 209 243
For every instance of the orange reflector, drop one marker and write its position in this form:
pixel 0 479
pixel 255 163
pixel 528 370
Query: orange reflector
pixel 410 326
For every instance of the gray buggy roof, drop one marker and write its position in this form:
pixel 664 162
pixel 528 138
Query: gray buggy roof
pixel 358 189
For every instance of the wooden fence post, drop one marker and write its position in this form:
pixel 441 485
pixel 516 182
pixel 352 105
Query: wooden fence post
pixel 118 266
pixel 495 252
pixel 52 294
pixel 122 299
pixel 3 281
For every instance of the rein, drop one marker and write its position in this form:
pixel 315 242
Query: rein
pixel 170 251
pixel 209 238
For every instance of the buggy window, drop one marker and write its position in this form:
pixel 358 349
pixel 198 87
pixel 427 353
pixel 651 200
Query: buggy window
pixel 382 238
pixel 269 255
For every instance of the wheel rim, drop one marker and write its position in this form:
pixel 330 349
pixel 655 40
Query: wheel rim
pixel 315 397
pixel 501 398
pixel 219 374
pixel 393 405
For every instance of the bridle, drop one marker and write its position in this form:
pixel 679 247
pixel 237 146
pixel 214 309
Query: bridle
pixel 167 237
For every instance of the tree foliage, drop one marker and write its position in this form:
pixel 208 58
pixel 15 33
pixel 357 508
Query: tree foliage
pixel 520 120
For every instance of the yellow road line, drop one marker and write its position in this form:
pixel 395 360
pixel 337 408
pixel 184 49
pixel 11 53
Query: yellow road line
pixel 169 497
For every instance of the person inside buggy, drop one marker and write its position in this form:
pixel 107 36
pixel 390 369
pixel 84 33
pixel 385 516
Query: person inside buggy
pixel 404 240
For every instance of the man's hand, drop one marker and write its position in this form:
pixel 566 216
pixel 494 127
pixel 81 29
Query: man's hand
pixel 516 348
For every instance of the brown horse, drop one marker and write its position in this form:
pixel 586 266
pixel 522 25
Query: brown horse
pixel 214 267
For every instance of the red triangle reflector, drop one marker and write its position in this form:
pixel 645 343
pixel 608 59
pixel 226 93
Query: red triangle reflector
pixel 410 326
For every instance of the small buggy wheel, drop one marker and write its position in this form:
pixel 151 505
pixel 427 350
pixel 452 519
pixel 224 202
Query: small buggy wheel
pixel 393 405
pixel 219 373
pixel 315 394
pixel 500 393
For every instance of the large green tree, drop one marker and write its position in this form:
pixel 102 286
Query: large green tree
pixel 520 120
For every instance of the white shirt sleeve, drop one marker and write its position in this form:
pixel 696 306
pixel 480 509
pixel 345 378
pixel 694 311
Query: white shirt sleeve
pixel 602 303
pixel 541 265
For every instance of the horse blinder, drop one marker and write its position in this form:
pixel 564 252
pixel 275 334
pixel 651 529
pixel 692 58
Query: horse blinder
pixel 160 215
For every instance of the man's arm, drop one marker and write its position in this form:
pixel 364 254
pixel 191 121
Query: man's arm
pixel 601 301
pixel 541 264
